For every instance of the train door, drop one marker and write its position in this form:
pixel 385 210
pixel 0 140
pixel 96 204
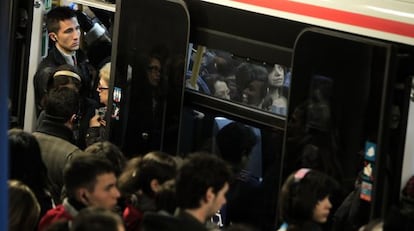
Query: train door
pixel 349 103
pixel 148 63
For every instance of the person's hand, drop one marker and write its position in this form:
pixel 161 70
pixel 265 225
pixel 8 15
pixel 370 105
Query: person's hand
pixel 96 121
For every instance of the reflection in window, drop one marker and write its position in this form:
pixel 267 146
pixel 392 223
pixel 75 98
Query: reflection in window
pixel 221 74
pixel 255 157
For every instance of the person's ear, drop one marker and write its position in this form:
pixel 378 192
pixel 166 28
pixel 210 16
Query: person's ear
pixel 82 196
pixel 53 36
pixel 209 195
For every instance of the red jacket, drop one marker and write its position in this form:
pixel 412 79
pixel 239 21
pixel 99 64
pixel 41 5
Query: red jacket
pixel 132 218
pixel 53 215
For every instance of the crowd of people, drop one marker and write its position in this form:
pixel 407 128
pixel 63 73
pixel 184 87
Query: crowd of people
pixel 67 176
pixel 261 86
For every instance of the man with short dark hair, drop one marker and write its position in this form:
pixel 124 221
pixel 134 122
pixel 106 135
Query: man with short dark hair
pixel 64 30
pixel 89 181
pixel 55 134
pixel 201 185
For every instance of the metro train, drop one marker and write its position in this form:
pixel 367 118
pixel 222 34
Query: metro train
pixel 344 102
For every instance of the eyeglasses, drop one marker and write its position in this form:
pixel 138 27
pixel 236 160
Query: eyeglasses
pixel 102 88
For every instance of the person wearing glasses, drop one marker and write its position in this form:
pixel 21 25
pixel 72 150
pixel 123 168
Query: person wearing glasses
pixel 146 111
pixel 97 124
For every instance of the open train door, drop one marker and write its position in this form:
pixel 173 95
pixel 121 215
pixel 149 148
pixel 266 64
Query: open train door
pixel 349 105
pixel 148 62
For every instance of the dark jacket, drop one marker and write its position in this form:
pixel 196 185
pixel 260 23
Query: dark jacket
pixel 57 146
pixel 160 222
pixel 48 66
pixel 190 223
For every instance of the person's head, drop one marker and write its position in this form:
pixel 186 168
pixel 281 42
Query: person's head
pixel 235 142
pixel 65 75
pixel 154 71
pixel 24 209
pixel 97 219
pixel 304 197
pixel 218 86
pixel 62 105
pixel 147 173
pixel 109 151
pixel 252 81
pixel 63 29
pixel 276 76
pixel 221 89
pixel 103 87
pixel 202 183
pixel 32 171
pixel 91 180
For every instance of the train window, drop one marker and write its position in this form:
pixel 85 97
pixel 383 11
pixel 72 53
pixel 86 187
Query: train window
pixel 253 151
pixel 239 79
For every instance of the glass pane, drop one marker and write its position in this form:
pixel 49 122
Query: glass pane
pixel 255 156
pixel 224 75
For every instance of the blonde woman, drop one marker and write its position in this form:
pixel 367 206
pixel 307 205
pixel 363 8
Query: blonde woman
pixel 96 130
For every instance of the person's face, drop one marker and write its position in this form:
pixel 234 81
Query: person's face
pixel 321 210
pixel 252 94
pixel 221 90
pixel 218 200
pixel 154 72
pixel 276 76
pixel 67 38
pixel 103 89
pixel 105 193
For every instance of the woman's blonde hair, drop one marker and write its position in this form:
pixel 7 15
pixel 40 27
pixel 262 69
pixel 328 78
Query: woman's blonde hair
pixel 105 72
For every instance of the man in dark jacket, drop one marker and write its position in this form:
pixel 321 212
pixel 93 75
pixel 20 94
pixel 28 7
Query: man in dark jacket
pixel 64 31
pixel 55 135
pixel 201 186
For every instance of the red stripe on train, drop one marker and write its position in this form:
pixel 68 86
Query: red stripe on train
pixel 349 18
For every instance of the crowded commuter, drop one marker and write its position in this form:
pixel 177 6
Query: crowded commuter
pixel 89 181
pixel 24 210
pixel 201 186
pixel 26 165
pixel 111 152
pixel 251 80
pixel 235 143
pixel 276 97
pixel 64 31
pixel 55 133
pixel 218 86
pixel 304 202
pixel 67 75
pixel 139 183
pixel 96 131
pixel 146 112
